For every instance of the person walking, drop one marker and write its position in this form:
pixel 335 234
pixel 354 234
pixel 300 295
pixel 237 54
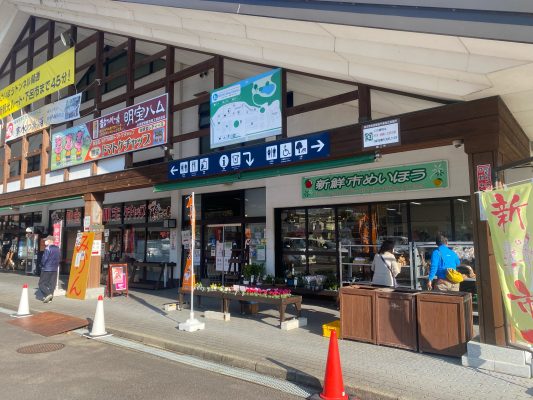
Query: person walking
pixel 385 266
pixel 442 259
pixel 49 269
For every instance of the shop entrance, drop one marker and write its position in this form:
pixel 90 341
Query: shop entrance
pixel 224 255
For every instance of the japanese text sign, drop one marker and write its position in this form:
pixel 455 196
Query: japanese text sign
pixel 381 133
pixel 54 113
pixel 46 79
pixel 134 128
pixel 188 272
pixel 432 175
pixel 484 177
pixel 510 218
pixel 80 265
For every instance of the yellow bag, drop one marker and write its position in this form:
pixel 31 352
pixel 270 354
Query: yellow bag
pixel 454 276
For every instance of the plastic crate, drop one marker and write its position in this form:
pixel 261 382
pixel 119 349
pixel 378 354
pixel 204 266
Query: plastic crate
pixel 331 326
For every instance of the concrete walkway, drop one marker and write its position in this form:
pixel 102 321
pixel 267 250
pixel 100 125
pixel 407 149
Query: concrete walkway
pixel 257 343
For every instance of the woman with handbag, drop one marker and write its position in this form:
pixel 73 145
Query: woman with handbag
pixel 385 266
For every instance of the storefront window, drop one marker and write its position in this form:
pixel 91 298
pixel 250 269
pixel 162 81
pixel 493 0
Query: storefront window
pixel 429 217
pixel 158 245
pixel 73 217
pixel 256 240
pixel 112 214
pixel 255 202
pixel 220 205
pixel 462 212
pixel 158 210
pixel 321 229
pixel 13 221
pixel 139 244
pixel 135 212
pixel 114 253
pixel 16 152
pixel 390 223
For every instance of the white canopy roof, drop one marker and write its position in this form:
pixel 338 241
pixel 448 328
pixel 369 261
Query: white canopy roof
pixel 447 67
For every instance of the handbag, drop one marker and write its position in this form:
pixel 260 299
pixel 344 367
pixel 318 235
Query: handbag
pixel 452 275
pixel 394 284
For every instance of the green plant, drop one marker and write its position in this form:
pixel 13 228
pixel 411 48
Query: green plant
pixel 255 270
pixel 269 280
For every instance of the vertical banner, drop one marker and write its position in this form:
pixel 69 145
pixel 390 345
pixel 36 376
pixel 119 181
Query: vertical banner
pixel 509 213
pixel 80 265
pixel 188 273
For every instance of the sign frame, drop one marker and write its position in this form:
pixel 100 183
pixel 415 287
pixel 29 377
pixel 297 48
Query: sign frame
pixel 381 128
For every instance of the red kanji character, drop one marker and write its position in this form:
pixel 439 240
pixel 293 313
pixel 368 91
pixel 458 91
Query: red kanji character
pixel 505 214
pixel 524 302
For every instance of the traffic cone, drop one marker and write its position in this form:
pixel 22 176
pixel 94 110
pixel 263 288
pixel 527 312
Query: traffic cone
pixel 24 307
pixel 98 328
pixel 333 384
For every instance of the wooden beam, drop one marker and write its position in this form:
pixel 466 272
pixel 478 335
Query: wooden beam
pixel 87 41
pixel 192 70
pixel 50 51
pixel 284 104
pixel 365 104
pixel 169 88
pixel 191 103
pixel 322 103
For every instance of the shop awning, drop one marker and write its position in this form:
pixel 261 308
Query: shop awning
pixel 41 203
pixel 265 173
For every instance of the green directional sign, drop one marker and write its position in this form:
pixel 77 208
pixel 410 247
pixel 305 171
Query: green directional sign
pixel 430 175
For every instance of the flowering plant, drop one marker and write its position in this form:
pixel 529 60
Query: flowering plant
pixel 268 292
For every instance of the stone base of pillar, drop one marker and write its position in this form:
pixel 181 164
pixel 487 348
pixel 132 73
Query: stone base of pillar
pixel 505 360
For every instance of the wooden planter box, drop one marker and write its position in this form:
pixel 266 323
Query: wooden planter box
pixel 445 322
pixel 358 310
pixel 396 318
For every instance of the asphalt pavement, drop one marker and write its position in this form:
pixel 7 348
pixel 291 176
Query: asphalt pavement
pixel 256 343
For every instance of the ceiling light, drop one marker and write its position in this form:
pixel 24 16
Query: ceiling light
pixel 462 200
pixel 391 209
pixel 416 203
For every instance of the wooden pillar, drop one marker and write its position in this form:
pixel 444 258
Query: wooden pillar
pixel 93 209
pixel 490 305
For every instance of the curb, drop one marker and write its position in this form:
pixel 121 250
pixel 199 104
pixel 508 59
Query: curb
pixel 291 375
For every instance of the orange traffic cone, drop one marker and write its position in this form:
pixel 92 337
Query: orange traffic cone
pixel 333 384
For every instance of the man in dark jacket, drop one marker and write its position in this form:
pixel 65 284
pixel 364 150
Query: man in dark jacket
pixel 49 269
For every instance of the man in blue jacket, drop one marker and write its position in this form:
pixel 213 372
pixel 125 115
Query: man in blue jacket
pixel 442 258
pixel 49 269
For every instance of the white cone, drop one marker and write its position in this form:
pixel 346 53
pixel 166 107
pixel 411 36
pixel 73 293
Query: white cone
pixel 98 328
pixel 24 306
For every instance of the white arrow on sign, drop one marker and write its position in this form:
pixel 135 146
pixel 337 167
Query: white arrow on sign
pixel 249 160
pixel 173 171
pixel 318 146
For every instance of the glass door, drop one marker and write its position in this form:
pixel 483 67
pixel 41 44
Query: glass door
pixel 223 251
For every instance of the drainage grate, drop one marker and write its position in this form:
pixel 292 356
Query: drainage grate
pixel 40 348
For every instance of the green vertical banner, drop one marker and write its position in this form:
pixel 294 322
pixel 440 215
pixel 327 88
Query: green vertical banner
pixel 509 213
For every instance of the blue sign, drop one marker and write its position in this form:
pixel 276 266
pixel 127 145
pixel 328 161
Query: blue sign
pixel 286 151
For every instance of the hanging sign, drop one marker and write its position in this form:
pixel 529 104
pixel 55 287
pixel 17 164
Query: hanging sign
pixel 112 214
pixel 57 230
pixel 282 152
pixel 73 217
pixel 46 79
pixel 484 177
pixel 54 113
pixel 135 212
pixel 80 265
pixel 131 129
pixel 510 217
pixel 158 210
pixel 379 134
pixel 432 175
pixel 246 110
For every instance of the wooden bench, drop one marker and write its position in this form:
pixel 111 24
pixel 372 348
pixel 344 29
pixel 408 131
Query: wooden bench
pixel 281 303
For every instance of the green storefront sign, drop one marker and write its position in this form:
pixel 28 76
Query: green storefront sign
pixel 431 175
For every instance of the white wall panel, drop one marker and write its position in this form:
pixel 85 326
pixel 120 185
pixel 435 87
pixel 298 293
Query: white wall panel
pixel 112 164
pixel 79 171
pixel 34 181
pixel 13 186
pixel 54 177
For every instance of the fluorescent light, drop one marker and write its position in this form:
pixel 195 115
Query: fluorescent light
pixel 416 203
pixel 462 200
pixel 391 209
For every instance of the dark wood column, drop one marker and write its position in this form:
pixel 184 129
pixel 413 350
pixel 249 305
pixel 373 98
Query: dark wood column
pixel 93 209
pixel 501 141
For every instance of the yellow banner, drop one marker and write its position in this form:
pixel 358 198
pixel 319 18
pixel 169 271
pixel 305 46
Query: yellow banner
pixel 80 266
pixel 46 79
pixel 509 213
